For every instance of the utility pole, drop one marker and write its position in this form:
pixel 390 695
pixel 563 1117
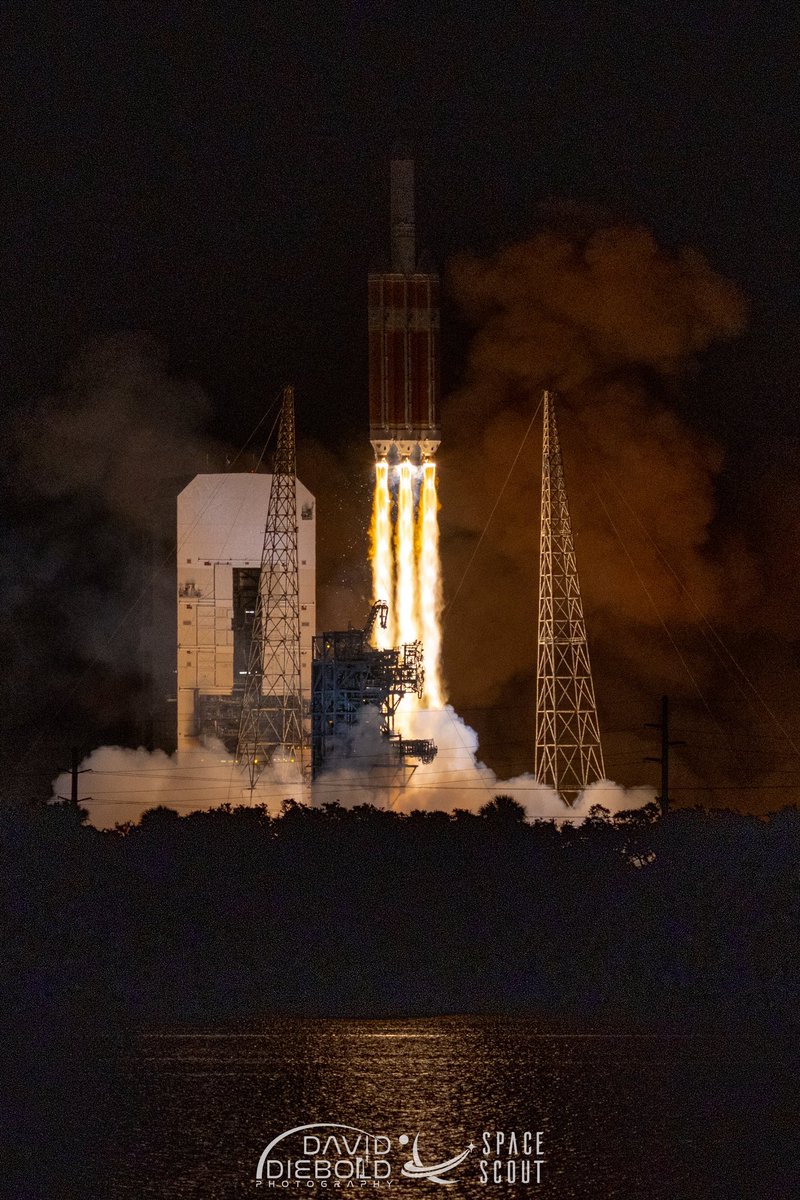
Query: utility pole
pixel 663 725
pixel 74 771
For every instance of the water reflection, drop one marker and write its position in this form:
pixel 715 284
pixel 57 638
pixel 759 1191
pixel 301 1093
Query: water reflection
pixel 621 1115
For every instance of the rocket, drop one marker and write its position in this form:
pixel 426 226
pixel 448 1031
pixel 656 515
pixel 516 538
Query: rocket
pixel 403 320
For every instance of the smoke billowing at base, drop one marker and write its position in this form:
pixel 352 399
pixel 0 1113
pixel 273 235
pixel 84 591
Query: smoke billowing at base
pixel 124 784
pixel 456 779
pixel 121 784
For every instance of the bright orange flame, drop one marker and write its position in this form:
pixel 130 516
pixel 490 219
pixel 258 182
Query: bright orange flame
pixel 406 596
pixel 430 587
pixel 406 571
pixel 381 551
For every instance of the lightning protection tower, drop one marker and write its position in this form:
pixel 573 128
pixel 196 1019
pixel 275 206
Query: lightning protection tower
pixel 568 753
pixel 271 727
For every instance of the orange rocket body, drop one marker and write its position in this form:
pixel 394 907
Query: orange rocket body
pixel 404 339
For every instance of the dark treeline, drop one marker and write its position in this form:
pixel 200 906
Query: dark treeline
pixel 360 911
pixel 684 923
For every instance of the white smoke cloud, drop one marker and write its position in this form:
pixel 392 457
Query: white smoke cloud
pixel 455 779
pixel 125 783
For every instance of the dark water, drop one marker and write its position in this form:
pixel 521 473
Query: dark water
pixel 622 1114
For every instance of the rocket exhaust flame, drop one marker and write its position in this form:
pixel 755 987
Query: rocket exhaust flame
pixel 381 552
pixel 406 569
pixel 406 597
pixel 430 587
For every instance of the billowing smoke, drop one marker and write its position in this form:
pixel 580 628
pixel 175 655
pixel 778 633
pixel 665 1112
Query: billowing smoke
pixel 97 468
pixel 118 785
pixel 121 428
pixel 456 778
pixel 90 511
pixel 121 784
pixel 612 322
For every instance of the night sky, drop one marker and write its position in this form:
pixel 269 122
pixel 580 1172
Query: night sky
pixel 194 194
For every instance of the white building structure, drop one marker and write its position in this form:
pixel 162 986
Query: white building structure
pixel 220 536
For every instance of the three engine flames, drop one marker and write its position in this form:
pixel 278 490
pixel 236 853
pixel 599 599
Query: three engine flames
pixel 406 571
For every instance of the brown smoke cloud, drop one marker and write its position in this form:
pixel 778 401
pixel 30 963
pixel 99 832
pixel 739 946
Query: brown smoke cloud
pixel 611 321
pixel 122 427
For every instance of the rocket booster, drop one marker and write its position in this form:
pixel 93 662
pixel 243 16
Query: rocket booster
pixel 403 337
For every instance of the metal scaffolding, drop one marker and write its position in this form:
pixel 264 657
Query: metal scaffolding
pixel 348 673
pixel 568 754
pixel 271 727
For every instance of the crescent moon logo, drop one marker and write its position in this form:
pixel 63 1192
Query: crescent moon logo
pixel 415 1168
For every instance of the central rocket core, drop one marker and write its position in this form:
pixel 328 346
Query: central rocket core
pixel 404 250
pixel 403 425
pixel 404 338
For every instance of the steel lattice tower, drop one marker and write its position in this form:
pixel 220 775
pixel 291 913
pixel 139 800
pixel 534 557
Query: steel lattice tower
pixel 568 753
pixel 272 725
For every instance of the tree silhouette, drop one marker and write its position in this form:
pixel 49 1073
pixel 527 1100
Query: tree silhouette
pixel 505 809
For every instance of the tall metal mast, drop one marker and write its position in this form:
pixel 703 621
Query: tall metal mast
pixel 272 726
pixel 568 753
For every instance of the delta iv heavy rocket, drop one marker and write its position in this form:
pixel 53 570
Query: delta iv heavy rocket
pixel 404 338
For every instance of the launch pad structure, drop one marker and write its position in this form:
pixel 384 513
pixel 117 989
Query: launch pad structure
pixel 568 753
pixel 348 674
pixel 273 721
pixel 220 534
pixel 251 671
pixel 251 668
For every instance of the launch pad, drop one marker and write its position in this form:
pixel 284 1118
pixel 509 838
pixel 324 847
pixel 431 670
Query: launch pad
pixel 347 674
pixel 247 644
